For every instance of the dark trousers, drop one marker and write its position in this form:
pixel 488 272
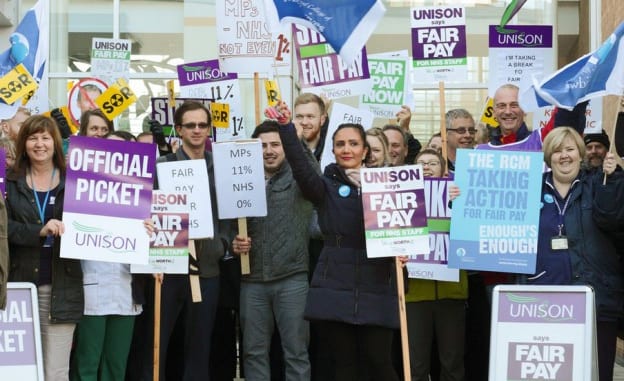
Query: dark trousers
pixel 198 326
pixel 360 351
pixel 606 342
pixel 477 350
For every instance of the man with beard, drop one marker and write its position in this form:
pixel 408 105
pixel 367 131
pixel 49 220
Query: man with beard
pixel 310 120
pixel 277 286
pixel 596 147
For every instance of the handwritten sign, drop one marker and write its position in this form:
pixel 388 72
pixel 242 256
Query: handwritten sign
pixel 239 176
pixel 190 177
pixel 108 194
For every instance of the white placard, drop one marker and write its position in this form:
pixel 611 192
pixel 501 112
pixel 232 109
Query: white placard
pixel 341 114
pixel 190 177
pixel 110 59
pixel 239 178
pixel 543 333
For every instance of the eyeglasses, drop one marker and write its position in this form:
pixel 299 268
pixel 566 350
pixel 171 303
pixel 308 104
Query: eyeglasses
pixel 463 130
pixel 192 126
pixel 503 106
pixel 428 163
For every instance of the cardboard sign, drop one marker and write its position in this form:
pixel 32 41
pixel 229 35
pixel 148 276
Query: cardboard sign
pixel 239 177
pixel 190 177
pixel 20 339
pixel 16 84
pixel 116 99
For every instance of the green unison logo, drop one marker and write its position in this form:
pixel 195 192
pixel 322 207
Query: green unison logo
pixel 511 10
pixel 93 237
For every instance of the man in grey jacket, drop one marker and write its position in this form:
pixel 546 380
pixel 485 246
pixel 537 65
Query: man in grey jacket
pixel 277 287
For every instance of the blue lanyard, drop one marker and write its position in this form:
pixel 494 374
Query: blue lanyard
pixel 45 200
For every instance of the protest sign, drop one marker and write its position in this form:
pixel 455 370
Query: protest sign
pixel 340 114
pixel 82 97
pixel 495 220
pixel 206 80
pixel 394 211
pixel 2 171
pixel 439 43
pixel 543 333
pixel 20 339
pixel 593 117
pixel 239 178
pixel 433 265
pixel 191 178
pixel 323 72
pixel 168 252
pixel 16 84
pixel 110 58
pixel 116 99
pixel 390 84
pixel 108 194
pixel 519 56
pixel 245 41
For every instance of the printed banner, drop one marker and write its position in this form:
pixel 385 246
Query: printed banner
pixel 496 218
pixel 20 339
pixel 433 265
pixel 168 253
pixel 389 75
pixel 239 178
pixel 439 44
pixel 206 80
pixel 108 194
pixel 543 333
pixel 519 56
pixel 323 72
pixel 394 211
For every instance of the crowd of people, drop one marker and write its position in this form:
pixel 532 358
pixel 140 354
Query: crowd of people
pixel 314 306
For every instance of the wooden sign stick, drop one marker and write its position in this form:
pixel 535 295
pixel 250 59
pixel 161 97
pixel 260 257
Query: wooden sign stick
pixel 194 279
pixel 443 126
pixel 407 374
pixel 157 290
pixel 244 257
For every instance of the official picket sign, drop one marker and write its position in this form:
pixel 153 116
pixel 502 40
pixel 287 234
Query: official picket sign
pixel 20 338
pixel 496 217
pixel 239 177
pixel 189 177
pixel 341 113
pixel 168 252
pixel 543 333
pixel 433 265
pixel 395 221
pixel 108 194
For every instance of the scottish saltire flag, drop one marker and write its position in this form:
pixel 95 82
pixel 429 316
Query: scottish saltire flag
pixel 593 75
pixel 28 46
pixel 345 24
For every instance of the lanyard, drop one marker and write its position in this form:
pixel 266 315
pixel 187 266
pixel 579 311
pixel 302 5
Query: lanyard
pixel 562 211
pixel 41 207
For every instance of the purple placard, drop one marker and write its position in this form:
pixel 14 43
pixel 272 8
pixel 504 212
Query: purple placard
pixel 3 171
pixel 540 361
pixel 194 73
pixel 319 66
pixel 439 42
pixel 109 177
pixel 17 340
pixel 542 307
pixel 526 36
pixel 383 209
pixel 171 230
pixel 438 221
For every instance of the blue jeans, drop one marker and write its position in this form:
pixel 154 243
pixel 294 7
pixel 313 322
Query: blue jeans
pixel 261 306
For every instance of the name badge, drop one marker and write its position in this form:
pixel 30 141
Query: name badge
pixel 559 242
